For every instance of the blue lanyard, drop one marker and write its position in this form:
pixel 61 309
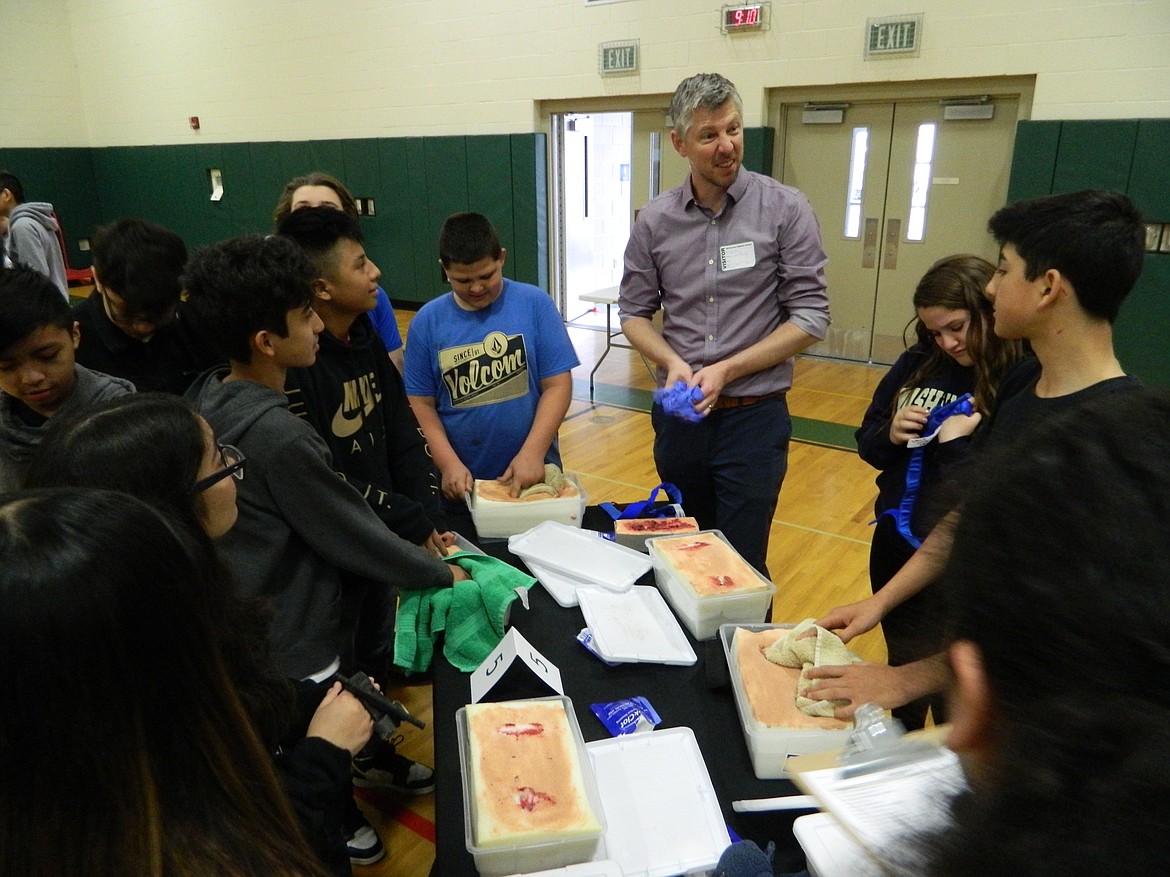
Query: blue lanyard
pixel 965 404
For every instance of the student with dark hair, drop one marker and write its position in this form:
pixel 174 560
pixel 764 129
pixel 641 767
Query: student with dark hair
pixel 1036 293
pixel 134 324
pixel 155 447
pixel 350 395
pixel 489 367
pixel 135 755
pixel 955 352
pixel 1058 607
pixel 299 523
pixel 39 377
pixel 152 446
pixel 354 399
pixel 32 230
pixel 318 189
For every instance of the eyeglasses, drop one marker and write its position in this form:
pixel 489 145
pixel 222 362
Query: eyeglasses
pixel 119 315
pixel 233 467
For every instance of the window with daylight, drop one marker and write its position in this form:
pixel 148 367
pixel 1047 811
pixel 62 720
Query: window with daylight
pixel 920 184
pixel 856 182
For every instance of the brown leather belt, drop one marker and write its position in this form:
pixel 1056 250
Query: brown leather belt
pixel 744 401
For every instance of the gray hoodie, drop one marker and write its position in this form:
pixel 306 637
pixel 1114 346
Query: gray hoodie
pixel 19 441
pixel 299 524
pixel 32 241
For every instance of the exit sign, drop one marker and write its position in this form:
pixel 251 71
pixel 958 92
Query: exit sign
pixel 896 35
pixel 620 57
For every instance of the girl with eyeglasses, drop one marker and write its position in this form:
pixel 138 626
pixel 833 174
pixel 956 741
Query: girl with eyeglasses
pixel 155 447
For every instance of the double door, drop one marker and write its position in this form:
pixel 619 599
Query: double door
pixel 896 186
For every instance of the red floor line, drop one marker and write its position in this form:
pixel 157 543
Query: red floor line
pixel 404 816
pixel 421 826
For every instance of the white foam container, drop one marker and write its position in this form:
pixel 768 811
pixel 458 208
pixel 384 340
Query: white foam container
pixel 501 520
pixel 465 544
pixel 577 559
pixel 830 851
pixel 519 858
pixel 660 806
pixel 604 868
pixel 635 627
pixel 703 615
pixel 563 588
pixel 770 748
pixel 637 541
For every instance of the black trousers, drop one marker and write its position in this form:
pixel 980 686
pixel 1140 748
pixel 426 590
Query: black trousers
pixel 913 630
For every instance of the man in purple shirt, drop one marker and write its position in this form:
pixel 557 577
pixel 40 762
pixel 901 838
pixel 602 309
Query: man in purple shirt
pixel 735 262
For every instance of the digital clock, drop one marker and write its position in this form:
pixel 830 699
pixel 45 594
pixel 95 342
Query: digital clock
pixel 745 16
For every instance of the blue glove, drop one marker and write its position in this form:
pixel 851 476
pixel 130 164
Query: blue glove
pixel 679 401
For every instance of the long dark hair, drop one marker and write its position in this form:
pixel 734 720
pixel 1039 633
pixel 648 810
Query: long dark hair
pixel 1058 575
pixel 150 445
pixel 123 745
pixel 315 178
pixel 957 283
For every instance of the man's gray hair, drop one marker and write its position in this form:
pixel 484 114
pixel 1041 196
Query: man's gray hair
pixel 707 90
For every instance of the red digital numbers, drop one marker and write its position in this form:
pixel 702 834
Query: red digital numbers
pixel 743 16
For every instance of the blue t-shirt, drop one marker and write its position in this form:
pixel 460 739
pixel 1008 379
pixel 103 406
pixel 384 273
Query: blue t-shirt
pixel 484 369
pixel 385 323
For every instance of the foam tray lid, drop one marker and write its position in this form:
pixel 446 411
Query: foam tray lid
pixel 580 554
pixel 635 627
pixel 831 850
pixel 561 586
pixel 661 812
pixel 603 868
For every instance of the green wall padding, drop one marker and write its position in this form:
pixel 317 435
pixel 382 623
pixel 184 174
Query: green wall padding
pixel 1034 160
pixel 1149 181
pixel 63 176
pixel 1144 324
pixel 758 146
pixel 1094 154
pixel 415 183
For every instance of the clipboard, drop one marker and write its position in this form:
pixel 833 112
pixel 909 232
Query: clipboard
pixel 902 789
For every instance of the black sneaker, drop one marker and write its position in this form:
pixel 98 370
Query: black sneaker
pixel 362 842
pixel 386 769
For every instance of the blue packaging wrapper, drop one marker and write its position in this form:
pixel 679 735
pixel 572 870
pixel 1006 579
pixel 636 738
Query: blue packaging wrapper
pixel 627 716
pixel 585 638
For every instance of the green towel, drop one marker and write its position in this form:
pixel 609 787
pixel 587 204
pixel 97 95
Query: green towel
pixel 471 613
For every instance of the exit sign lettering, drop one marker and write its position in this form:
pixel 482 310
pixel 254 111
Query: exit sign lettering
pixel 899 35
pixel 618 57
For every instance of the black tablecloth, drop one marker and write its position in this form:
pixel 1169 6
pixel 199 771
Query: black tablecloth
pixel 698 697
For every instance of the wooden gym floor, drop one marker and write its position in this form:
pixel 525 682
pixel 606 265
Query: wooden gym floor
pixel 819 548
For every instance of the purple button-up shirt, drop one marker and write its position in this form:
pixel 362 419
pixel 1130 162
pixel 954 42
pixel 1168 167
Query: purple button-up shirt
pixel 725 281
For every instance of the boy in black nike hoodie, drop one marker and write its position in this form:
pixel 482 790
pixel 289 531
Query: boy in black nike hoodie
pixel 351 395
pixel 356 401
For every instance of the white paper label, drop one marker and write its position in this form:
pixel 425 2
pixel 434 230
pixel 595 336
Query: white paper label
pixel 733 257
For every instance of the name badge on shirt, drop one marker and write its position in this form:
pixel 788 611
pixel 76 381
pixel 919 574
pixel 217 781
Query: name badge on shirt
pixel 736 256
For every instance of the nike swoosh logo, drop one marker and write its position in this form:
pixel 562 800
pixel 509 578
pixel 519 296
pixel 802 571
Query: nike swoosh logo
pixel 344 426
